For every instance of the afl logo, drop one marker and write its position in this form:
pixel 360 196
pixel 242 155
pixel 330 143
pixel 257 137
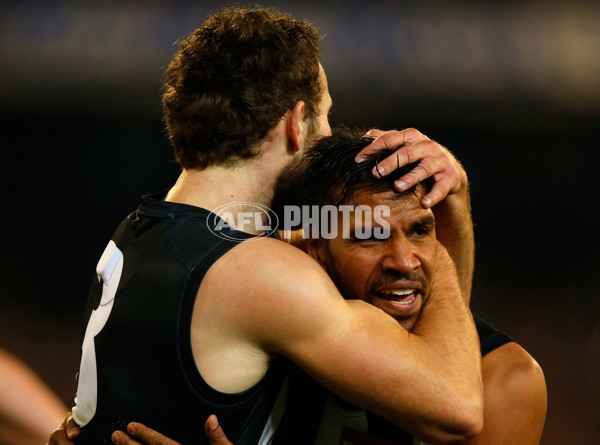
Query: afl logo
pixel 242 218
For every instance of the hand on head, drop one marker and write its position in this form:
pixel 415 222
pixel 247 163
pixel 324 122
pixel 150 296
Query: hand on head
pixel 409 146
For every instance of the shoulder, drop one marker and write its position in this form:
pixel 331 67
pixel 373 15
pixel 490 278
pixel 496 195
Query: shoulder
pixel 514 368
pixel 515 395
pixel 266 262
pixel 266 284
pixel 514 398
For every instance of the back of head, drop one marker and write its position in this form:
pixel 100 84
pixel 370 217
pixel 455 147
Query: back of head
pixel 332 176
pixel 233 79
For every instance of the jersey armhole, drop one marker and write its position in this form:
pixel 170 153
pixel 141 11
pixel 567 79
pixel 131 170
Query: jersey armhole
pixel 490 338
pixel 190 371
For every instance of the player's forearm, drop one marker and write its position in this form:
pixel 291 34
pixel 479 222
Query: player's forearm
pixel 454 229
pixel 450 349
pixel 402 377
pixel 424 382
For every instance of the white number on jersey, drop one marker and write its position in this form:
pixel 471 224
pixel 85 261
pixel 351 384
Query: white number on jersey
pixel 109 271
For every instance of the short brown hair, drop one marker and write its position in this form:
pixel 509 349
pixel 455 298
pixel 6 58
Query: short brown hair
pixel 233 79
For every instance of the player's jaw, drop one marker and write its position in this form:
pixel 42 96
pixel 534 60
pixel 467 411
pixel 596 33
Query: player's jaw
pixel 399 298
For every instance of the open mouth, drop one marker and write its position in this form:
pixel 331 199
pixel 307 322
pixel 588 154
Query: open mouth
pixel 399 296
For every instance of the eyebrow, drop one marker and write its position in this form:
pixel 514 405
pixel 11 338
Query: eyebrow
pixel 427 221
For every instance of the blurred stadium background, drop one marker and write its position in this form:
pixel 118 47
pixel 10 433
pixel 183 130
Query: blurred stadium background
pixel 512 88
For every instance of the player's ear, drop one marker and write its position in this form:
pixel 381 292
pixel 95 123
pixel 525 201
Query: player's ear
pixel 319 250
pixel 295 130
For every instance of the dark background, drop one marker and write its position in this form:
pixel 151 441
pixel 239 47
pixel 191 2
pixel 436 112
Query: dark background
pixel 511 88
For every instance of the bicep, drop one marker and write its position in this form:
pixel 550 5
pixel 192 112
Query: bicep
pixel 281 301
pixel 350 347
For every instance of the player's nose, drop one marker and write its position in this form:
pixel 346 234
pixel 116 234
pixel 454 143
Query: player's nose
pixel 400 255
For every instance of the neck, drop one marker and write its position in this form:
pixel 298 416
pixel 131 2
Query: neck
pixel 249 181
pixel 215 186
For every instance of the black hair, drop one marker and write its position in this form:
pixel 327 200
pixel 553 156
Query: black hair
pixel 333 177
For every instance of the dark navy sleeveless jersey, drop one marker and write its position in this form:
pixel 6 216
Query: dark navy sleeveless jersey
pixel 314 416
pixel 137 358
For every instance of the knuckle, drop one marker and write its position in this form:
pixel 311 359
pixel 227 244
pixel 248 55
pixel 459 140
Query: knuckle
pixel 411 132
pixel 386 140
pixel 434 147
pixel 414 175
pixel 437 165
pixel 421 173
pixel 447 157
pixel 446 151
pixel 429 165
pixel 408 149
pixel 374 132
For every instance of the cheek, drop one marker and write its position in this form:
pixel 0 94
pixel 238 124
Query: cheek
pixel 324 127
pixel 428 260
pixel 353 275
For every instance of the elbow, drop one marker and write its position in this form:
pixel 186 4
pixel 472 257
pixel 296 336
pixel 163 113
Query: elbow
pixel 463 421
pixel 456 420
pixel 470 423
pixel 470 410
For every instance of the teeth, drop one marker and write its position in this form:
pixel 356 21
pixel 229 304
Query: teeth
pixel 399 292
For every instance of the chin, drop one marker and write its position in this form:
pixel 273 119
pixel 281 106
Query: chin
pixel 407 323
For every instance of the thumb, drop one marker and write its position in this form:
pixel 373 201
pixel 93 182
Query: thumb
pixel 72 428
pixel 214 432
pixel 373 133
